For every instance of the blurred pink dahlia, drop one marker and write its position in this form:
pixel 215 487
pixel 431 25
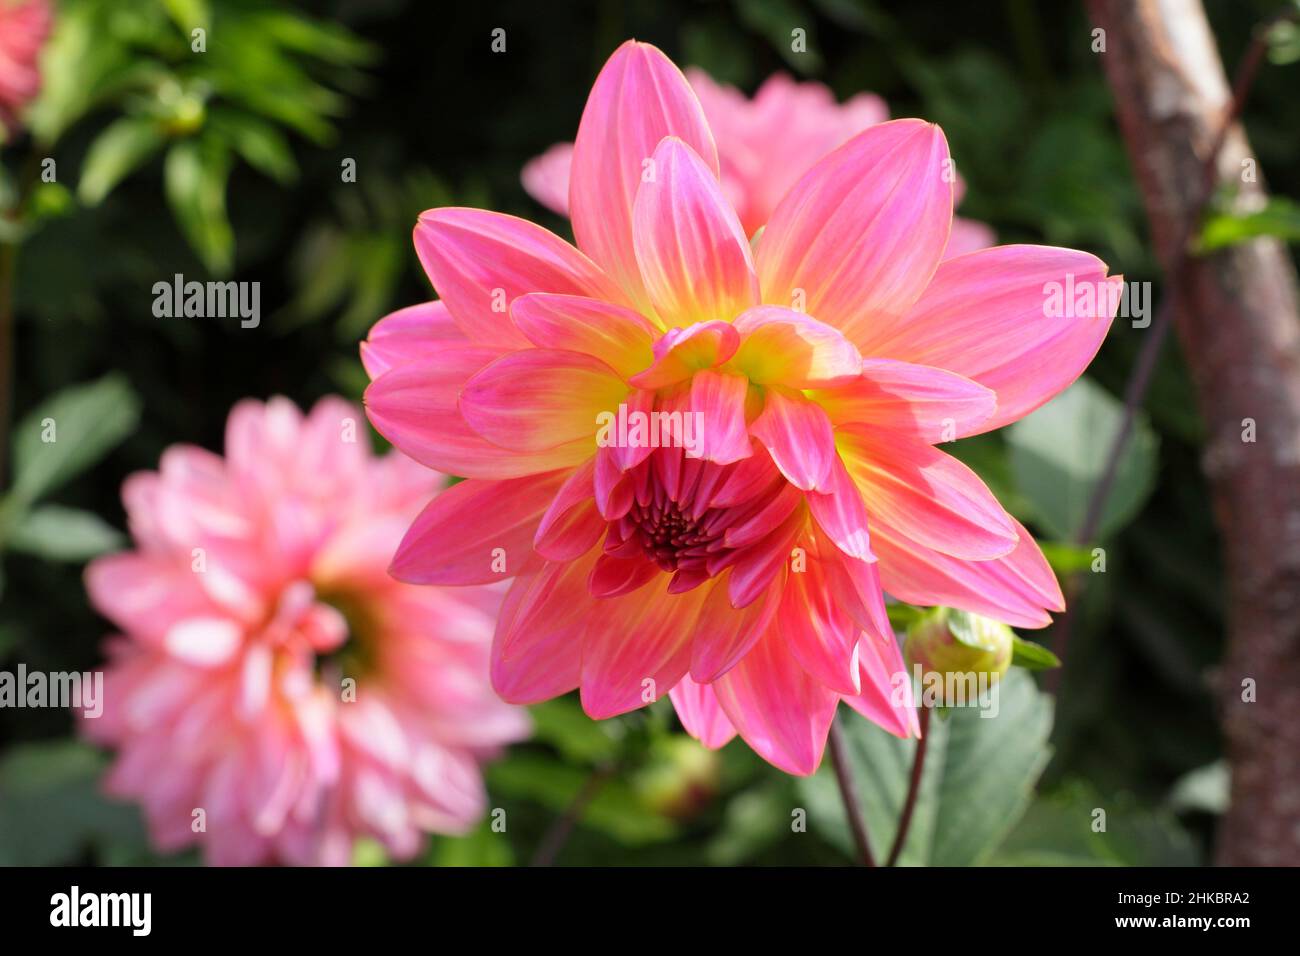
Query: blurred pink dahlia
pixel 275 694
pixel 702 460
pixel 764 145
pixel 24 25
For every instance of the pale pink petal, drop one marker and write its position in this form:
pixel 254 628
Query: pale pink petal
pixel 617 336
pixel 546 177
pixel 481 261
pixel 967 236
pixel 930 404
pixel 639 98
pixel 993 317
pixel 694 257
pixel 798 435
pixel 476 532
pixel 698 709
pixel 926 496
pixel 780 710
pixel 856 241
pixel 540 399
pixel 785 347
pixel 841 514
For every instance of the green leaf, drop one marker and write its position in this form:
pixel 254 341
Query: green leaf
pixel 481 847
pixel 64 534
pixel 562 723
pixel 978 778
pixel 902 616
pixel 1280 217
pixel 1058 454
pixel 124 146
pixel 1064 558
pixel 194 178
pixel 261 145
pixel 51 810
pixel 1031 656
pixel 69 433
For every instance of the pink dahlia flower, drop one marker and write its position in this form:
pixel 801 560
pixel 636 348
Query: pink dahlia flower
pixel 764 145
pixel 24 25
pixel 734 559
pixel 272 674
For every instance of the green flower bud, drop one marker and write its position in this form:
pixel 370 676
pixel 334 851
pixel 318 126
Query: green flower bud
pixel 680 779
pixel 948 641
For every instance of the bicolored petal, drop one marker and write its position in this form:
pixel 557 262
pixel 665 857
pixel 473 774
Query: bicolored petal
pixel 798 435
pixel 636 648
pixel 476 532
pixel 785 347
pixel 480 262
pixel 619 337
pixel 1024 321
pixel 540 399
pixel 639 98
pixel 840 513
pixel 719 398
pixel 537 649
pixel 414 406
pixel 926 495
pixel 1018 589
pixel 930 404
pixel 886 698
pixel 572 524
pixel 857 240
pixel 694 258
pixel 819 631
pixel 781 710
pixel 684 351
pixel 723 635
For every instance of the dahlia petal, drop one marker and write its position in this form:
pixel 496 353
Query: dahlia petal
pixel 755 527
pixel 481 261
pixel 636 648
pixel 700 713
pixel 619 337
pixel 746 480
pixel 886 699
pixel 639 98
pixel 841 514
pixel 572 524
pixel 417 331
pixel 143 595
pixel 616 576
pixel 722 634
pixel 684 351
pixel 204 641
pixel 926 495
pixel 780 710
pixel 931 404
pixel 989 316
pixel 799 437
pixel 537 649
pixel 443 547
pixel 856 584
pixel 761 563
pixel 785 347
pixel 1018 589
pixel 967 236
pixel 414 407
pixel 694 257
pixel 856 241
pixel 820 633
pixel 546 177
pixel 540 399
pixel 720 398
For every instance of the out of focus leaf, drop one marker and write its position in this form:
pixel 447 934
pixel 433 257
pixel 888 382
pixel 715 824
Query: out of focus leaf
pixel 776 20
pixel 63 534
pixel 69 433
pixel 481 847
pixel 561 723
pixel 615 809
pixel 1066 829
pixel 1031 656
pixel 51 811
pixel 194 177
pixel 1280 217
pixel 260 144
pixel 979 777
pixel 124 145
pixel 1058 454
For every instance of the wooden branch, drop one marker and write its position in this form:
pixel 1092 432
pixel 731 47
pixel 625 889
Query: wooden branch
pixel 1236 318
